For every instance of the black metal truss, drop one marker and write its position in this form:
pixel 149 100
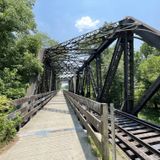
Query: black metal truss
pixel 128 72
pixel 93 82
pixel 111 71
pixel 129 24
pixel 93 43
pixel 98 75
pixel 74 57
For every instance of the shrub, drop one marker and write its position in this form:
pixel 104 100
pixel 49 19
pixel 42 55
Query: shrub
pixel 5 106
pixel 7 127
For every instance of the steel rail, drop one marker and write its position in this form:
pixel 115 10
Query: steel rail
pixel 151 128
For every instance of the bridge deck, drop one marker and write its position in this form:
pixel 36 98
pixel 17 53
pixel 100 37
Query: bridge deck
pixel 53 134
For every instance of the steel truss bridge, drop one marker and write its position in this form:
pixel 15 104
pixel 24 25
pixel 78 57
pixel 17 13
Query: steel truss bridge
pixel 71 60
pixel 79 61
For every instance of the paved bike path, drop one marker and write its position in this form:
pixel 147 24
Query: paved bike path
pixel 54 133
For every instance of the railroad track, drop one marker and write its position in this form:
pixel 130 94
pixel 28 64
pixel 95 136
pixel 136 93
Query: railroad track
pixel 137 138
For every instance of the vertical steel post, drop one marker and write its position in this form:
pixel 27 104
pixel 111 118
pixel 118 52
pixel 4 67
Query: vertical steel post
pixel 98 74
pixel 77 83
pixel 125 72
pixel 54 81
pixel 131 68
pixel 74 83
pixel 51 80
pixel 83 83
pixel 88 94
pixel 48 79
pixel 69 83
pixel 43 81
pixel 128 73
pixel 95 89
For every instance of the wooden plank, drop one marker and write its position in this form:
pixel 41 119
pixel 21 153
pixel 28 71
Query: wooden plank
pixel 105 135
pixel 145 135
pixel 90 117
pixel 134 128
pixel 131 125
pixel 156 146
pixel 140 131
pixel 90 104
pixel 88 127
pixel 113 132
pixel 95 106
pixel 31 98
pixel 152 140
pixel 26 116
pixel 124 123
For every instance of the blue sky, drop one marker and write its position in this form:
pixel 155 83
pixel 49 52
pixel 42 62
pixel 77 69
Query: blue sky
pixel 65 19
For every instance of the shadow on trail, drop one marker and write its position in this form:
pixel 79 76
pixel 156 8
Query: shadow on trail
pixel 56 110
pixel 83 139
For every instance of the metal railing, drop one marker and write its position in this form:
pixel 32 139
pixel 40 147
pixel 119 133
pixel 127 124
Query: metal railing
pixel 94 116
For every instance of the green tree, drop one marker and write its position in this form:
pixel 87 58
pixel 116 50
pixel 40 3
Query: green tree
pixel 146 50
pixel 7 127
pixel 30 67
pixel 16 16
pixel 19 47
pixel 46 41
pixel 148 72
pixel 14 20
pixel 11 84
pixel 19 64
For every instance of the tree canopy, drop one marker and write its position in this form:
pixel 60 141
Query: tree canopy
pixel 19 47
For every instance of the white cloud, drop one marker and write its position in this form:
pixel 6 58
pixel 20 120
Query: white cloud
pixel 86 23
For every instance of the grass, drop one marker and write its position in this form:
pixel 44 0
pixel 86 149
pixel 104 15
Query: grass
pixel 95 150
pixel 151 115
pixel 119 153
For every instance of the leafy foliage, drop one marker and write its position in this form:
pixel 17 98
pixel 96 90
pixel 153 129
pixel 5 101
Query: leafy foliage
pixel 146 50
pixel 148 71
pixel 10 84
pixel 16 16
pixel 19 64
pixel 19 47
pixel 7 127
pixel 28 43
pixel 30 67
pixel 5 106
pixel 45 40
